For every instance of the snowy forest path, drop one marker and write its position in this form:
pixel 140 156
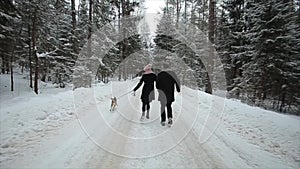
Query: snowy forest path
pixel 45 132
pixel 99 138
pixel 126 151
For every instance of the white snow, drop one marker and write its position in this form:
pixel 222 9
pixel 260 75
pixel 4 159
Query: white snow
pixel 61 128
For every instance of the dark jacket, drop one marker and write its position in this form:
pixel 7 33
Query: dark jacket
pixel 165 82
pixel 148 88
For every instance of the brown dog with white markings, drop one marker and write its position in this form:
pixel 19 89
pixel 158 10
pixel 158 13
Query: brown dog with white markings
pixel 113 104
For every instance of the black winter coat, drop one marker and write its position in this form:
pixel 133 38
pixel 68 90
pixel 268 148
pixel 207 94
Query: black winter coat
pixel 148 88
pixel 165 82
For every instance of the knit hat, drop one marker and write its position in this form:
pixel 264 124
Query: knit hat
pixel 148 69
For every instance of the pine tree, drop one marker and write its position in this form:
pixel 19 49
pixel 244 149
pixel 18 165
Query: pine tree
pixel 127 10
pixel 267 75
pixel 9 36
pixel 102 13
pixel 8 16
pixel 25 47
pixel 35 15
pixel 231 43
pixel 64 56
pixel 166 40
pixel 291 68
pixel 83 20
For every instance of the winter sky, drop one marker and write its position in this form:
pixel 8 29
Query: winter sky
pixel 153 6
pixel 152 18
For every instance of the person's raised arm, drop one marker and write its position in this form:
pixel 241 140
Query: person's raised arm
pixel 139 84
pixel 177 83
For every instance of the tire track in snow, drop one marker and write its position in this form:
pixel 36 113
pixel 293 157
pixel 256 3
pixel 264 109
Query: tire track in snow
pixel 201 153
pixel 189 149
pixel 102 158
pixel 188 152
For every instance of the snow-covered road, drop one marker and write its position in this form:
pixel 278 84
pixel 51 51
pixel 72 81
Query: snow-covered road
pixel 238 137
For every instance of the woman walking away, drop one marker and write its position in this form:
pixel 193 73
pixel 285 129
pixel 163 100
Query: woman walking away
pixel 147 96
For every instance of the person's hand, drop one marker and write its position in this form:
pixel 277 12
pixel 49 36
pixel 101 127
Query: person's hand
pixel 178 91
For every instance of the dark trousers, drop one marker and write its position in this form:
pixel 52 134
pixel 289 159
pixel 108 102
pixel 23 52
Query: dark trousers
pixel 145 106
pixel 163 106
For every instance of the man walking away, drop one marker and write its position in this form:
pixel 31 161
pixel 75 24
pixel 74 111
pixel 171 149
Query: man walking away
pixel 166 80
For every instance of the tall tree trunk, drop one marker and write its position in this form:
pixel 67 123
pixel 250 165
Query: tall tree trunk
pixel 120 44
pixel 123 38
pixel 185 15
pixel 177 12
pixel 211 37
pixel 3 66
pixel 282 97
pixel 75 48
pixel 36 59
pixel 193 14
pixel 211 23
pixel 11 72
pixel 185 11
pixel 90 18
pixel 12 59
pixel 90 29
pixel 202 26
pixel 29 56
pixel 167 3
pixel 125 42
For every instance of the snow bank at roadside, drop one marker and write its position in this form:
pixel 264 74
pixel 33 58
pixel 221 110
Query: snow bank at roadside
pixel 246 136
pixel 26 117
pixel 262 138
pixel 272 132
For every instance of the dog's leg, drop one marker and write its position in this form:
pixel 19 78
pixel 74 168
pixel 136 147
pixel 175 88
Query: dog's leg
pixel 114 107
pixel 111 106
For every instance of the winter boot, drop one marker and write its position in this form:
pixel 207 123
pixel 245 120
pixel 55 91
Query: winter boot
pixel 170 122
pixel 142 117
pixel 147 115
